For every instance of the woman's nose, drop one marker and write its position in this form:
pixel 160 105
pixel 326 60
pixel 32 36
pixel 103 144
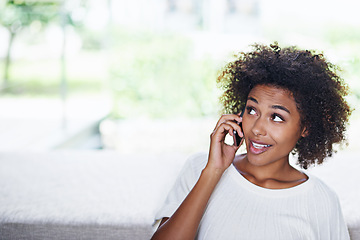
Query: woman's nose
pixel 259 127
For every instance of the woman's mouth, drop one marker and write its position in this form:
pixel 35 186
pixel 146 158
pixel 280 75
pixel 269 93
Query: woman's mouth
pixel 257 148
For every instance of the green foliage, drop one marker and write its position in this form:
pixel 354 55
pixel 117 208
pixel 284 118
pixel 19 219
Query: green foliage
pixel 346 40
pixel 85 75
pixel 18 14
pixel 156 75
pixel 340 34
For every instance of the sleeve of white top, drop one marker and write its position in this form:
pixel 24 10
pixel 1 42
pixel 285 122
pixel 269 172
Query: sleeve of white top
pixel 186 180
pixel 340 227
pixel 330 218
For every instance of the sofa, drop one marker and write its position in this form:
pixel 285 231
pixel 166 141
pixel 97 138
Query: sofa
pixel 107 195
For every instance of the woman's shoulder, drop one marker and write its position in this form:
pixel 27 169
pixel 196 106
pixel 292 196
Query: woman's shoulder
pixel 191 171
pixel 321 190
pixel 197 162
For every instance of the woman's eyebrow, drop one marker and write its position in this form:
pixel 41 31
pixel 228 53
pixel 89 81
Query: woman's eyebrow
pixel 252 99
pixel 273 106
pixel 281 108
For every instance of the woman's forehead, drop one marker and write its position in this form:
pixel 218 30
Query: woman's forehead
pixel 272 91
pixel 273 95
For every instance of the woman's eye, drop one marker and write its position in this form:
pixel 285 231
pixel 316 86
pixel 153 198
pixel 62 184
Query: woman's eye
pixel 277 118
pixel 251 111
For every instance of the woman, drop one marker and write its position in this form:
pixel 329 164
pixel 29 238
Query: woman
pixel 292 101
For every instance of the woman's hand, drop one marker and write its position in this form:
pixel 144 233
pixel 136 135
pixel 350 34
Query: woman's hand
pixel 221 154
pixel 184 223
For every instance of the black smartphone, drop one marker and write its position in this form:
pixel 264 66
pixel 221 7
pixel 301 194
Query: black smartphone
pixel 237 138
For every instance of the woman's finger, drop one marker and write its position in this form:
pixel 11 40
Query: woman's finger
pixel 225 128
pixel 228 117
pixel 235 127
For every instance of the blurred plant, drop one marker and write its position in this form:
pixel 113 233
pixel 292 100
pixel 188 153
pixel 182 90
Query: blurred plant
pixel 345 39
pixel 16 15
pixel 157 75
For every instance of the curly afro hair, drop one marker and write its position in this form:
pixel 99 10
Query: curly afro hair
pixel 317 88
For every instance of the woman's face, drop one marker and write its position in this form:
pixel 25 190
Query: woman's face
pixel 271 125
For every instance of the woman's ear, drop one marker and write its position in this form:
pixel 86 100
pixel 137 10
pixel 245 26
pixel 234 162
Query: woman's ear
pixel 304 132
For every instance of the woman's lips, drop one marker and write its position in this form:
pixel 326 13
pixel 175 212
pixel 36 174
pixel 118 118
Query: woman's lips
pixel 257 147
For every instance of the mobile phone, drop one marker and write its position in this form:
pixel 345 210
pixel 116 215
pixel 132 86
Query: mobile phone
pixel 237 138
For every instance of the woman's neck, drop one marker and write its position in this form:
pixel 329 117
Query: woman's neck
pixel 277 175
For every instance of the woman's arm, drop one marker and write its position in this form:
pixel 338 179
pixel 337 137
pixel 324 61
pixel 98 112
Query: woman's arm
pixel 183 224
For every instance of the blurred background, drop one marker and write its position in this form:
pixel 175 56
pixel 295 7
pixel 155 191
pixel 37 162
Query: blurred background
pixel 140 75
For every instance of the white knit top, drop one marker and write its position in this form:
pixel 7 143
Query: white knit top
pixel 239 209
